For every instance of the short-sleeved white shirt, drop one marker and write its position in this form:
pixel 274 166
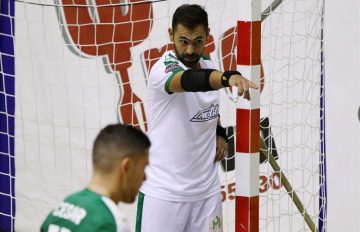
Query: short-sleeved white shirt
pixel 182 130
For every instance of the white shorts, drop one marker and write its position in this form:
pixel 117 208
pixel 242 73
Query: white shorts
pixel 154 215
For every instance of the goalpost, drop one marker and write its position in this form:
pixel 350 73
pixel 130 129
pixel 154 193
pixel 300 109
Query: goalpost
pixel 70 67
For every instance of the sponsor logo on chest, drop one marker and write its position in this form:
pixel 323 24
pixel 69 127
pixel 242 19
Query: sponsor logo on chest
pixel 206 114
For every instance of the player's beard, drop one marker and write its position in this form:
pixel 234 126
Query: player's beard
pixel 189 61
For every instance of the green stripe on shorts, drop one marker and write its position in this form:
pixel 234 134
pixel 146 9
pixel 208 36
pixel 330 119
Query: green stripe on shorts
pixel 140 205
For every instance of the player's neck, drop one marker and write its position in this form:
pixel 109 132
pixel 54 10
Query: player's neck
pixel 102 185
pixel 195 66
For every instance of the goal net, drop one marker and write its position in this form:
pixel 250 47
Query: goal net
pixel 292 121
pixel 70 67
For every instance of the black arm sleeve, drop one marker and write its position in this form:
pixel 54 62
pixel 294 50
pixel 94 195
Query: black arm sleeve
pixel 196 80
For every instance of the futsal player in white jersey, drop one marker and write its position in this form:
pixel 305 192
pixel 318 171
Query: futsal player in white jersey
pixel 182 189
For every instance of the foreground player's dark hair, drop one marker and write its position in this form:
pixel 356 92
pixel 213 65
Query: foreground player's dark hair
pixel 115 142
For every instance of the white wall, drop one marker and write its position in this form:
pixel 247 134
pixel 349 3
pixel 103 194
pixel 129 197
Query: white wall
pixel 342 52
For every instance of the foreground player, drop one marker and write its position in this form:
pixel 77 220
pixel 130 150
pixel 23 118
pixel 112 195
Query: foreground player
pixel 182 190
pixel 120 154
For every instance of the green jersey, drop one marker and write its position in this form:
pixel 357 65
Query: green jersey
pixel 85 211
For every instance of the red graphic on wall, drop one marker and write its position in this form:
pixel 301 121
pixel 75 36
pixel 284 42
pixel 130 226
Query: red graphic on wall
pixel 110 29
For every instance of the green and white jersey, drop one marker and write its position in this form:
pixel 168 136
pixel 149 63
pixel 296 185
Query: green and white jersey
pixel 182 130
pixel 85 211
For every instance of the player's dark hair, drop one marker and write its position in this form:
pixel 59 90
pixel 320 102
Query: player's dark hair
pixel 190 16
pixel 115 142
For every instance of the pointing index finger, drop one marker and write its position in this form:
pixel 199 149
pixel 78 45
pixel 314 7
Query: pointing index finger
pixel 253 85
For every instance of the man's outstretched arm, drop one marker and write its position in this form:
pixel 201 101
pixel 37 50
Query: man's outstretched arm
pixel 208 79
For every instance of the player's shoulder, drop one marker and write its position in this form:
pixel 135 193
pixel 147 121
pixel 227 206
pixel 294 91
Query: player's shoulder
pixel 167 63
pixel 205 57
pixel 165 60
pixel 82 195
pixel 206 62
pixel 106 227
pixel 169 57
pixel 86 199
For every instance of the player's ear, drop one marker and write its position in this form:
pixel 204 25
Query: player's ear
pixel 125 165
pixel 171 34
pixel 207 33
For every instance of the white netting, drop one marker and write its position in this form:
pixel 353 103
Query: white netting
pixel 291 58
pixel 81 64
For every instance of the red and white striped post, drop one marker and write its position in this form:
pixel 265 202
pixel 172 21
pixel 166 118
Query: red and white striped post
pixel 248 118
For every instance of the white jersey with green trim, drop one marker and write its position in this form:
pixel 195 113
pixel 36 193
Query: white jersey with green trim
pixel 182 130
